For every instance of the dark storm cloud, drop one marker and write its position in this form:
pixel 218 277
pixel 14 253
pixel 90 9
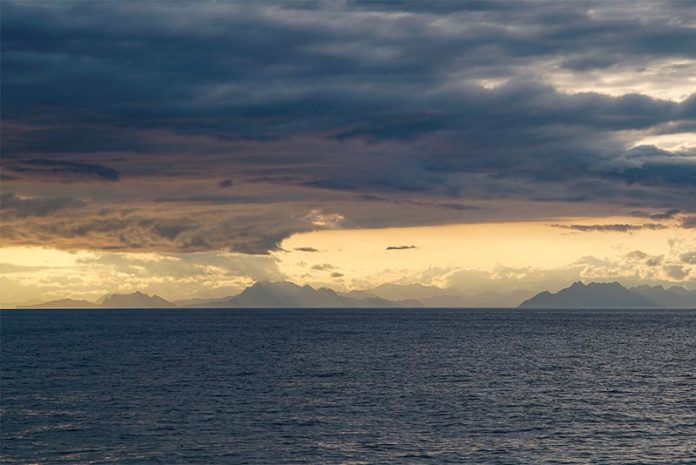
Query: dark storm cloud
pixel 665 215
pixel 610 227
pixel 377 98
pixel 173 228
pixel 62 169
pixel 689 222
pixel 12 206
pixel 145 229
pixel 306 249
pixel 457 206
pixel 214 199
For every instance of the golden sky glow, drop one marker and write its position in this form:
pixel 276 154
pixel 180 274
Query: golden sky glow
pixel 508 255
pixel 362 255
pixel 358 143
pixel 479 246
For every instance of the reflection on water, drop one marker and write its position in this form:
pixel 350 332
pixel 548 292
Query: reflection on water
pixel 348 386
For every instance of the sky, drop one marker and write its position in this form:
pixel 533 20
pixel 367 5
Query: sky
pixel 190 149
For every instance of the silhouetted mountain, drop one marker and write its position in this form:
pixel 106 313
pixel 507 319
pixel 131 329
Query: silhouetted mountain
pixel 674 297
pixel 134 300
pixel 287 294
pixel 63 303
pixel 431 296
pixel 611 295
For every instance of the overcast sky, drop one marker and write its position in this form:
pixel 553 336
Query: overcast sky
pixel 194 147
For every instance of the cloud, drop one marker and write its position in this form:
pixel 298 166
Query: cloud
pixel 458 206
pixel 323 267
pixel 688 222
pixel 689 258
pixel 676 272
pixel 9 268
pixel 171 228
pixel 62 168
pixel 401 247
pixel 637 255
pixel 336 275
pixel 12 206
pixel 363 99
pixel 306 249
pixel 173 276
pixel 665 215
pixel 149 227
pixel 636 268
pixel 319 219
pixel 610 227
pixel 642 257
pixel 185 266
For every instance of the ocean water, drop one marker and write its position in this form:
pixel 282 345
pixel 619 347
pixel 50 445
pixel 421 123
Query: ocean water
pixel 348 387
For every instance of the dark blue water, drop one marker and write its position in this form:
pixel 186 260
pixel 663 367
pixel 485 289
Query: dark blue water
pixel 348 387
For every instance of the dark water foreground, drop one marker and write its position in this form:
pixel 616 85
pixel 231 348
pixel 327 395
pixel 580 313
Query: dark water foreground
pixel 348 387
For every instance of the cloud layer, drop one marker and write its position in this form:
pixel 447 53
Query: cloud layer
pixel 231 125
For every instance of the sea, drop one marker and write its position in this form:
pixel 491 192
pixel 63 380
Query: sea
pixel 348 386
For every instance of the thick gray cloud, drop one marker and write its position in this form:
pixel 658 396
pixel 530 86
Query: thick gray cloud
pixel 26 222
pixel 16 207
pixel 665 215
pixel 306 249
pixel 446 103
pixel 689 222
pixel 610 227
pixel 63 168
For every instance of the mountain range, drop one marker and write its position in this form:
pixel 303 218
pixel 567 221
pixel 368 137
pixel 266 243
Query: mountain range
pixel 613 295
pixel 134 300
pixel 286 294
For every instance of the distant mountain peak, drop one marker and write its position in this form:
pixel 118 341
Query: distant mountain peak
pixel 274 294
pixel 611 295
pixel 267 294
pixel 62 303
pixel 135 299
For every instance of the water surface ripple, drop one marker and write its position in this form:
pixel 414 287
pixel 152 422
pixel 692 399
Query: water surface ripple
pixel 348 387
